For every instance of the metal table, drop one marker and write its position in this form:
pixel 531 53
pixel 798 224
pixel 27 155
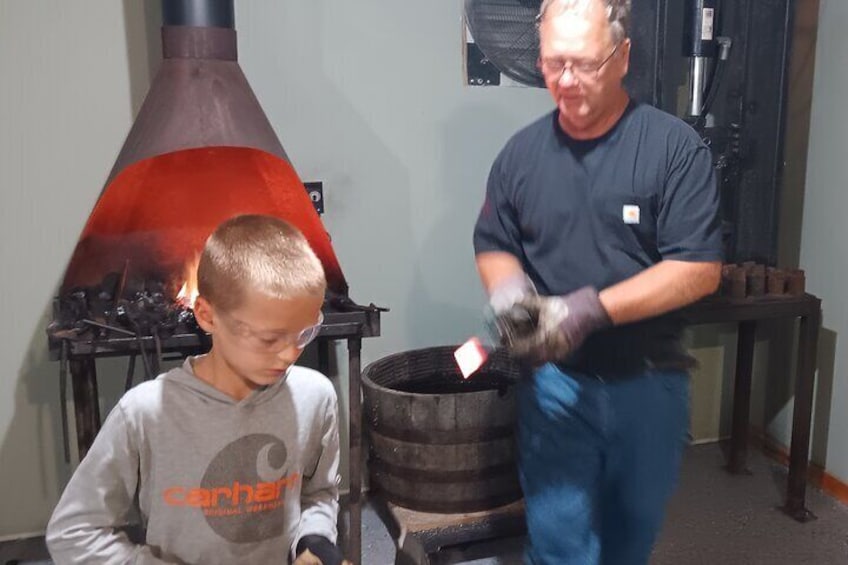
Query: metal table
pixel 747 313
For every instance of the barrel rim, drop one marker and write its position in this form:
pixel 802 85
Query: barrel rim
pixel 368 382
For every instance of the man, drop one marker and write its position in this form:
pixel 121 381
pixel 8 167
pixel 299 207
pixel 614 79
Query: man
pixel 600 219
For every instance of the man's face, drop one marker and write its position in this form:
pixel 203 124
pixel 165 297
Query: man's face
pixel 583 66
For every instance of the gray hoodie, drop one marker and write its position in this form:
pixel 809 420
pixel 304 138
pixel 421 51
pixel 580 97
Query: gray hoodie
pixel 214 480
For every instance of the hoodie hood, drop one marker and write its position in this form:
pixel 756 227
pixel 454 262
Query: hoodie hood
pixel 189 381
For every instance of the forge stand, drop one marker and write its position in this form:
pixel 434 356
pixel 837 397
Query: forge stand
pixel 78 357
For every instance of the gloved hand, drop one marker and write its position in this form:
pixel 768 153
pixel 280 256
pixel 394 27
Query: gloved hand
pixel 506 320
pixel 509 291
pixel 318 550
pixel 564 322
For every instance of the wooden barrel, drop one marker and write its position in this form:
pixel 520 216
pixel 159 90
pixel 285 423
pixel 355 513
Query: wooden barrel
pixel 439 443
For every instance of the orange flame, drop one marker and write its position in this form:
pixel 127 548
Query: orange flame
pixel 188 292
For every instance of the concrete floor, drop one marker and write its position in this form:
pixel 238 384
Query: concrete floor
pixel 714 518
pixel 720 518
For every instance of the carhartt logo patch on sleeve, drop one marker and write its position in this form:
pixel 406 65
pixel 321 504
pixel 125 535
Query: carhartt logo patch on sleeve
pixel 630 214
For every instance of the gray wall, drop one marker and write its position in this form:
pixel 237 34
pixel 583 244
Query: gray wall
pixel 825 231
pixel 66 102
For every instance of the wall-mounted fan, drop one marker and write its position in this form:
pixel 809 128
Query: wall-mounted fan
pixel 504 36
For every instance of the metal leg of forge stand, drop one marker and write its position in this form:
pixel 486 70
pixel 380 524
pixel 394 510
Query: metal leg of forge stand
pixel 324 357
pixel 354 346
pixel 801 418
pixel 742 398
pixel 86 406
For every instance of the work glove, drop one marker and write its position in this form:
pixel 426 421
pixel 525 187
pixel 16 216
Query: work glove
pixel 562 324
pixel 505 319
pixel 509 291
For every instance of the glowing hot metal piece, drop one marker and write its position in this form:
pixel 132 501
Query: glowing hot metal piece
pixel 470 356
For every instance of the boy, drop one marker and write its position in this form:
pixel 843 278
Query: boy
pixel 233 457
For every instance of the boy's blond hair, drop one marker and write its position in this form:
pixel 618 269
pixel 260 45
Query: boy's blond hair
pixel 255 253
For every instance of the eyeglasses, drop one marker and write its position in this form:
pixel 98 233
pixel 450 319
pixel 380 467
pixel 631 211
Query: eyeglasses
pixel 272 342
pixel 583 71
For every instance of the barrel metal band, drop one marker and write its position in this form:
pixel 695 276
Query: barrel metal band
pixel 451 477
pixel 442 437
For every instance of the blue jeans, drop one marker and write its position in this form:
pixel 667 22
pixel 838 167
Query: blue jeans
pixel 598 459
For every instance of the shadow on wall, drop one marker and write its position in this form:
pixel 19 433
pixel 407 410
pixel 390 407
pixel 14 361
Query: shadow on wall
pixel 779 378
pixel 781 365
pixel 799 102
pixel 446 299
pixel 779 368
pixel 34 447
pixel 826 363
pixel 714 347
pixel 32 453
pixel 367 184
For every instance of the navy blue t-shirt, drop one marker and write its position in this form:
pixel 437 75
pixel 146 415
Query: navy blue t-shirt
pixel 596 212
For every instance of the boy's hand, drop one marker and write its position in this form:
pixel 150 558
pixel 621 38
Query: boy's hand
pixel 318 550
pixel 308 558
